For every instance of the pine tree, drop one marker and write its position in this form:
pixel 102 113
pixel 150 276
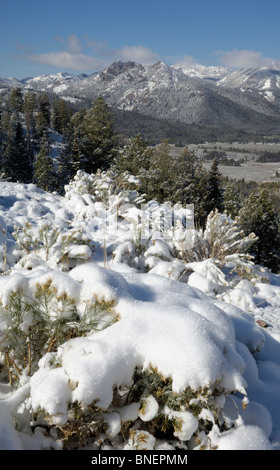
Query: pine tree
pixel 43 115
pixel 16 162
pixel 215 194
pixel 161 176
pixel 135 156
pixel 16 99
pixel 99 137
pixel 29 107
pixel 232 201
pixel 198 196
pixel 60 116
pixel 190 185
pixel 73 157
pixel 23 169
pixel 67 164
pixel 44 175
pixel 258 215
pixel 185 166
pixel 28 112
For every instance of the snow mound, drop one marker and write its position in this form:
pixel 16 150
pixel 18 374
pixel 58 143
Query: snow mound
pixel 195 348
pixel 245 438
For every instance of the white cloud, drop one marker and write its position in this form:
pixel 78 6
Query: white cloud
pixel 67 61
pixel 70 59
pixel 246 59
pixel 140 54
pixel 73 58
pixel 186 60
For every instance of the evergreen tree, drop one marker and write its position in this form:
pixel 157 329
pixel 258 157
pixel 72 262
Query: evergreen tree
pixel 177 179
pixel 23 169
pixel 43 115
pixel 28 111
pixel 135 156
pixel 45 107
pixel 99 137
pixel 185 167
pixel 258 215
pixel 16 163
pixel 197 194
pixel 190 185
pixel 60 116
pixel 161 176
pixel 232 201
pixel 29 106
pixel 215 193
pixel 44 175
pixel 74 137
pixel 2 135
pixel 67 166
pixel 16 100
pixel 75 155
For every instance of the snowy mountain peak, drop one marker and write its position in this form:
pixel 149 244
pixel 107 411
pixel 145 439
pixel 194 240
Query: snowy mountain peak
pixel 50 83
pixel 264 80
pixel 203 71
pixel 118 68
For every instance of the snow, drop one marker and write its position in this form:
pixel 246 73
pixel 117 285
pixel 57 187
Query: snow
pixel 150 409
pixel 60 88
pixel 269 95
pixel 202 71
pixel 70 99
pixel 9 437
pixel 187 324
pixel 43 384
pixel 189 423
pixel 245 438
pixel 267 84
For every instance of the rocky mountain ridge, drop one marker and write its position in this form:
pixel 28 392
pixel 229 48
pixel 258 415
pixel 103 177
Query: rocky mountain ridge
pixel 247 99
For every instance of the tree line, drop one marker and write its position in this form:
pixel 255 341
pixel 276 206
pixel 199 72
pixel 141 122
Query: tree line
pixel 33 128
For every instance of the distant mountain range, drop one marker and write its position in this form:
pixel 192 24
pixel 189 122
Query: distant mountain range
pixel 246 100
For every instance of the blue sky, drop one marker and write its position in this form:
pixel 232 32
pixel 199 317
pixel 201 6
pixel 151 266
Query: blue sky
pixel 86 35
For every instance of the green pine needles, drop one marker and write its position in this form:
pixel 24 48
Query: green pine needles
pixel 39 323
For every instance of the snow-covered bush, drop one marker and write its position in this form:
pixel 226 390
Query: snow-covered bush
pixel 46 242
pixel 7 243
pixel 158 238
pixel 39 312
pixel 106 187
pixel 175 382
pixel 131 343
pixel 222 240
